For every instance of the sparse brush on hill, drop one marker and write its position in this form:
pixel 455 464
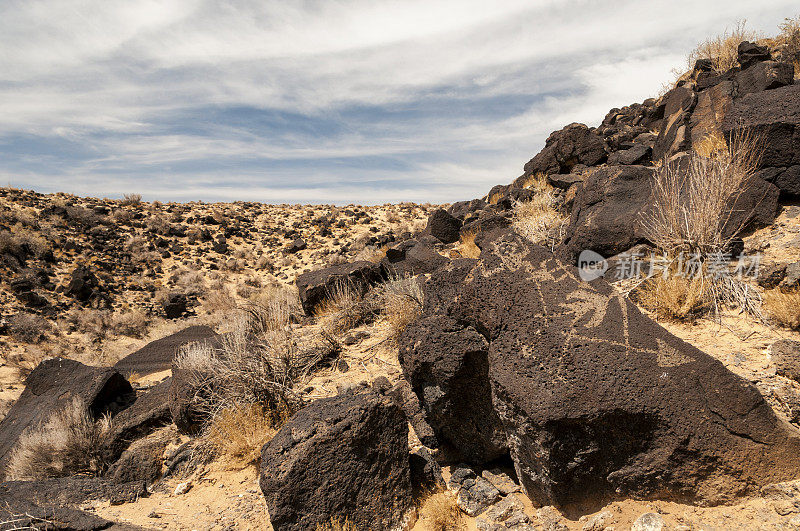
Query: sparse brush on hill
pixel 789 40
pixel 131 200
pixel 722 49
pixel 68 443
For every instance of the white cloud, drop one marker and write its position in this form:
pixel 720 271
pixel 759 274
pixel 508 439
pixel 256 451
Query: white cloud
pixel 110 76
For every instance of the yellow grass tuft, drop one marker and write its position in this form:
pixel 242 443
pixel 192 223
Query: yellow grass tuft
pixel 336 525
pixel 675 298
pixel 539 220
pixel 783 307
pixel 238 433
pixel 439 512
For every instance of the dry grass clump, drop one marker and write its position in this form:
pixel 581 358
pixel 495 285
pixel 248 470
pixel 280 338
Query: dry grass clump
pixel 675 298
pixel 336 525
pixel 467 246
pixel 691 217
pixel 238 433
pixel 68 443
pixel 722 50
pixel 439 512
pixel 401 304
pixel 131 200
pixel 692 207
pixel 371 253
pixel 343 309
pixel 783 307
pixel 539 219
pixel 789 39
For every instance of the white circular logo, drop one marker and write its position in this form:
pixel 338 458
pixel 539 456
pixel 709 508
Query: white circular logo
pixel 591 265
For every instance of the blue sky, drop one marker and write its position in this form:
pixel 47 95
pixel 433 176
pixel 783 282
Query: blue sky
pixel 323 101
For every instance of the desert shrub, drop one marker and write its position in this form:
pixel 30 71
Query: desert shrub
pixel 256 362
pixel 28 327
pixel 371 253
pixel 467 246
pixel 440 512
pixel 783 307
pixel 539 219
pixel 131 200
pixel 722 50
pixel 691 217
pixel 237 434
pixel 68 443
pixel 343 309
pixel 401 303
pixel 130 323
pixel 218 300
pixel 692 207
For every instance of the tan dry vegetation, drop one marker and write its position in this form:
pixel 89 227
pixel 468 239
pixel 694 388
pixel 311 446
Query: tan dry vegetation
pixel 337 525
pixel 401 301
pixel 783 307
pixel 722 49
pixel 237 434
pixel 439 512
pixel 539 219
pixel 68 443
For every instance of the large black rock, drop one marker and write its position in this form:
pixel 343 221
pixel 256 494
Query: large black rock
pixel 315 286
pixel 594 398
pixel 157 355
pixel 344 457
pixel 51 386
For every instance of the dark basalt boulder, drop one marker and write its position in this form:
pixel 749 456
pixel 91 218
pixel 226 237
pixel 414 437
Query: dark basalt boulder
pixel 150 411
pixel 315 286
pixel 83 285
pixel 606 211
pixel 344 457
pixel 443 226
pixel 574 144
pixel 749 53
pixel 54 383
pixel 773 117
pixel 175 305
pixel 674 135
pixel 766 75
pixel 157 355
pixel 595 398
pixel 411 258
pixel 187 390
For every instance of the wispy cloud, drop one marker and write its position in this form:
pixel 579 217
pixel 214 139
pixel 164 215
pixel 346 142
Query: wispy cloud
pixel 316 101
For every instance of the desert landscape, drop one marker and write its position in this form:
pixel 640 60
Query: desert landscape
pixel 608 341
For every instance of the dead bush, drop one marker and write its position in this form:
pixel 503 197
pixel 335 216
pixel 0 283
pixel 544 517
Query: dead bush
pixel 68 443
pixel 401 303
pixel 789 40
pixel 783 307
pixel 343 309
pixel 130 323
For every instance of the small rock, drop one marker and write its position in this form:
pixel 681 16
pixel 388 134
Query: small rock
pixel 598 522
pixel 182 488
pixel 648 522
pixel 503 510
pixel 784 507
pixel 459 474
pixel 475 498
pixel 550 519
pixel 501 480
pixel 153 514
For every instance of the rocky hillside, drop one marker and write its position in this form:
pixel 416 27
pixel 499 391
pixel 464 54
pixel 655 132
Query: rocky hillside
pixel 347 369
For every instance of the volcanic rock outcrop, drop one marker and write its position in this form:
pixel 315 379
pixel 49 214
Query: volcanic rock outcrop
pixel 592 397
